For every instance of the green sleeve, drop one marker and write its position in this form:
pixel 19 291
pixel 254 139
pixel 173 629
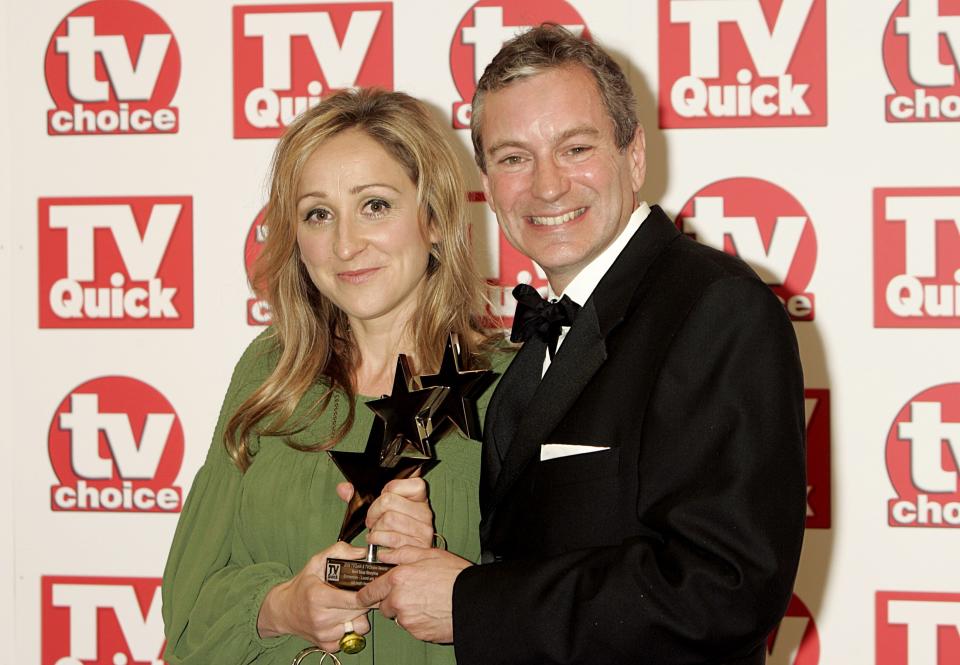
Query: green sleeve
pixel 212 591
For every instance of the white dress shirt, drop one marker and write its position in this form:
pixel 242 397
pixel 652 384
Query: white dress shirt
pixel 581 287
pixel 579 290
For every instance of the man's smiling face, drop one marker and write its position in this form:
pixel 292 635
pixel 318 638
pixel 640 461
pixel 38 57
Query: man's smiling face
pixel 561 189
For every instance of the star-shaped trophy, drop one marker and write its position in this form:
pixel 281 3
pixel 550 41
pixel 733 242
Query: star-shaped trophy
pixel 460 406
pixel 400 445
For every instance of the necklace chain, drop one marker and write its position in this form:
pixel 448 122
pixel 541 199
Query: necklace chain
pixel 336 410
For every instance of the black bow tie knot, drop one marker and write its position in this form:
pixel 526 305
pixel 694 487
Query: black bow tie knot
pixel 541 318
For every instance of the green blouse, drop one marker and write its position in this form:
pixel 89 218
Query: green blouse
pixel 241 534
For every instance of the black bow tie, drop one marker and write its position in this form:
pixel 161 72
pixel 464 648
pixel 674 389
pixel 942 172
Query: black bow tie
pixel 542 318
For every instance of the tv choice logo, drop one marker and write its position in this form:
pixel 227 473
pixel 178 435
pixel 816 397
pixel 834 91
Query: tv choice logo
pixel 258 311
pixel 923 458
pixel 795 641
pixel 112 68
pixel 287 57
pixel 917 628
pixel 817 412
pixel 101 620
pixel 742 63
pixel 916 257
pixel 115 445
pixel 484 28
pixel 116 262
pixel 764 225
pixel 921 54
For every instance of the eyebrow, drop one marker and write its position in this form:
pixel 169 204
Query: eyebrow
pixel 353 190
pixel 580 130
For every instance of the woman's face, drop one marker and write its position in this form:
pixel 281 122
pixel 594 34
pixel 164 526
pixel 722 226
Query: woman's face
pixel 359 230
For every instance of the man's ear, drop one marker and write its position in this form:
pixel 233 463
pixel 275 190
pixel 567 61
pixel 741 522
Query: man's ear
pixel 485 180
pixel 637 156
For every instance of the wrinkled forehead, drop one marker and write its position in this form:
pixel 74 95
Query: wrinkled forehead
pixel 568 77
pixel 560 97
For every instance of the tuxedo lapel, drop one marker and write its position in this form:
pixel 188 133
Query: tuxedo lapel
pixel 520 422
pixel 626 281
pixel 579 357
pixel 507 405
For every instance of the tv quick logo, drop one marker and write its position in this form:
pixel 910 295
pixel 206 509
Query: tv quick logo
pixel 483 30
pixel 116 262
pixel 817 411
pixel 742 63
pixel 921 53
pixel 765 226
pixel 922 455
pixel 916 257
pixel 796 640
pixel 502 265
pixel 258 311
pixel 286 57
pixel 101 621
pixel 112 68
pixel 917 628
pixel 115 444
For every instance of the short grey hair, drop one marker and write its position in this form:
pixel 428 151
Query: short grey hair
pixel 549 46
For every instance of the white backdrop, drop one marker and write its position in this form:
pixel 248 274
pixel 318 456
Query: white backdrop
pixel 796 201
pixel 7 629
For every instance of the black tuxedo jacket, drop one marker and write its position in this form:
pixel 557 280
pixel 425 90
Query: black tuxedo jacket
pixel 680 543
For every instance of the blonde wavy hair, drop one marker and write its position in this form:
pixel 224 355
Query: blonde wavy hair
pixel 310 333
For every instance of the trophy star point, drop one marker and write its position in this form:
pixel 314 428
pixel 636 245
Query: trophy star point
pixel 407 412
pixel 368 478
pixel 465 386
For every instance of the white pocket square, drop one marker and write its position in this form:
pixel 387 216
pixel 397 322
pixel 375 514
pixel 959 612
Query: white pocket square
pixel 555 450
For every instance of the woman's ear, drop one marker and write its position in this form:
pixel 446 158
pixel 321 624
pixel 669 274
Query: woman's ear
pixel 433 230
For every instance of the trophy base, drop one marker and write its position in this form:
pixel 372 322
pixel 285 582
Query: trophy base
pixel 352 574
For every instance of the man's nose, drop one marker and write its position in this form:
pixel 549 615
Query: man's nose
pixel 549 180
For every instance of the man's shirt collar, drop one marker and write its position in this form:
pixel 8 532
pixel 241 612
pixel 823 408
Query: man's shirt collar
pixel 581 287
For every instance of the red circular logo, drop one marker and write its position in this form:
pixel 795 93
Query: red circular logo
pixel 256 236
pixel 115 444
pixel 921 47
pixel 922 25
pixel 258 312
pixel 922 456
pixel 112 67
pixel 483 30
pixel 764 225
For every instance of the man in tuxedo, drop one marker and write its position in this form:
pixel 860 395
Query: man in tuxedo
pixel 643 492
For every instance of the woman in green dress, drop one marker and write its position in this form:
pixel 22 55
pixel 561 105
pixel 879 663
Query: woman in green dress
pixel 367 256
